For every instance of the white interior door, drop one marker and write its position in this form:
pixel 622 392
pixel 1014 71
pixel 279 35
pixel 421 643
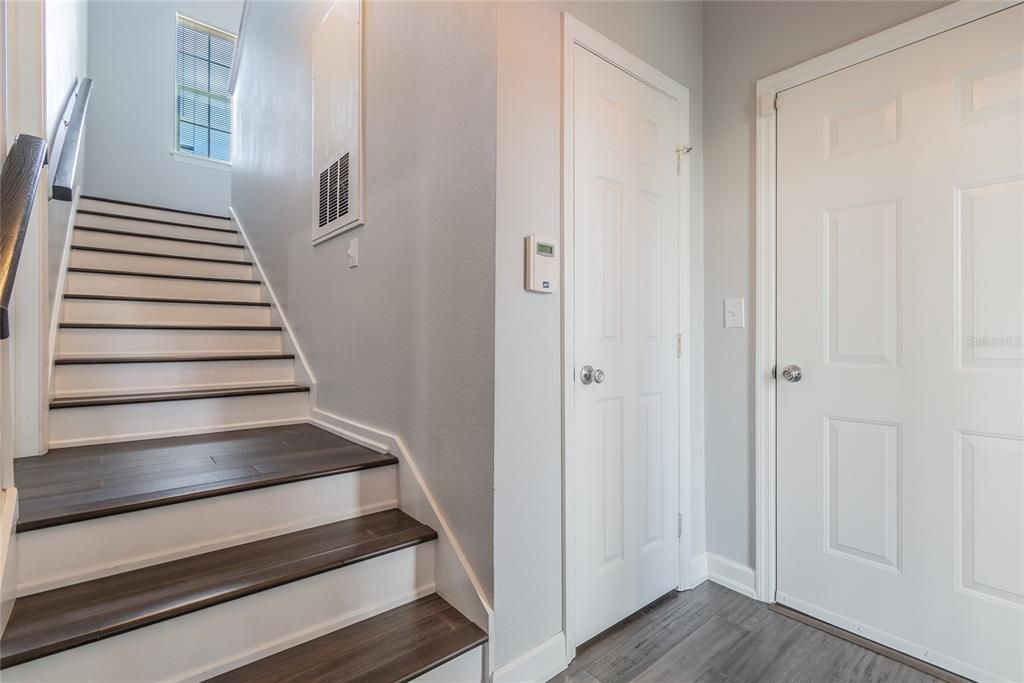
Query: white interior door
pixel 626 299
pixel 900 295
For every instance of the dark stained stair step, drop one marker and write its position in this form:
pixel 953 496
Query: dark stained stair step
pixel 119 360
pixel 395 646
pixel 86 482
pixel 161 221
pixel 64 618
pixel 154 254
pixel 165 300
pixel 147 235
pixel 153 206
pixel 157 326
pixel 138 273
pixel 159 396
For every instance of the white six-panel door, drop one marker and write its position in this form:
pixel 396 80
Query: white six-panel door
pixel 626 298
pixel 901 297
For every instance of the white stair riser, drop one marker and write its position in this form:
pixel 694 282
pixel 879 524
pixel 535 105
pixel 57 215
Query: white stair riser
pixel 82 551
pixel 113 342
pixel 135 421
pixel 223 637
pixel 149 264
pixel 102 311
pixel 130 378
pixel 466 668
pixel 131 285
pixel 154 214
pixel 156 245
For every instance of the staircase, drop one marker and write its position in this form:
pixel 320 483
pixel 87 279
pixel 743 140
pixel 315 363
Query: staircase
pixel 192 525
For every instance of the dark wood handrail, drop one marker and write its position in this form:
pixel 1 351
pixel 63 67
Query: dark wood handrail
pixel 18 183
pixel 67 165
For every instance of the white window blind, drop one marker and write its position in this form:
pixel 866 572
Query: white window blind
pixel 203 116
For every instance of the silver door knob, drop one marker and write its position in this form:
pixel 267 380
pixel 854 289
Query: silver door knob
pixel 792 373
pixel 588 375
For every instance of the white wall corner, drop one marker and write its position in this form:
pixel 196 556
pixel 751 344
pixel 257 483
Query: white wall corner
pixel 8 553
pixel 732 575
pixel 536 665
pixel 305 372
pixel 62 275
pixel 698 570
pixel 456 581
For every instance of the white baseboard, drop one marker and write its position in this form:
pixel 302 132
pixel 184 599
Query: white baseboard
pixel 913 649
pixel 456 581
pixel 536 665
pixel 291 342
pixel 732 575
pixel 698 570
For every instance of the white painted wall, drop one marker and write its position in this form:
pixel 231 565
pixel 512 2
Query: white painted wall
pixel 527 429
pixel 404 342
pixel 745 41
pixel 66 55
pixel 131 128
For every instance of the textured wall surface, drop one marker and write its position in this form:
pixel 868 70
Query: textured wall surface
pixel 404 342
pixel 743 42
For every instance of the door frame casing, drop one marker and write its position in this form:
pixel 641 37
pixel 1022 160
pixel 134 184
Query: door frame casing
pixel 770 95
pixel 575 32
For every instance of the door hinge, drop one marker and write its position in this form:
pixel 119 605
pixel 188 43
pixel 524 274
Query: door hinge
pixel 680 153
pixel 679 345
pixel 679 526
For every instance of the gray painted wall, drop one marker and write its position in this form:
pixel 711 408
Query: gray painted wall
pixel 527 430
pixel 131 111
pixel 404 342
pixel 745 41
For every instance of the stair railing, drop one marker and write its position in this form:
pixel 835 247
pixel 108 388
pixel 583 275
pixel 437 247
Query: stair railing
pixel 70 146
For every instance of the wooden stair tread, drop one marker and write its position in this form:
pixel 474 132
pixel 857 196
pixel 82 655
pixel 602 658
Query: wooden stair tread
pixel 63 618
pixel 166 300
pixel 85 482
pixel 194 358
pixel 186 395
pixel 130 233
pixel 161 221
pixel 397 645
pixel 138 273
pixel 153 206
pixel 154 254
pixel 172 326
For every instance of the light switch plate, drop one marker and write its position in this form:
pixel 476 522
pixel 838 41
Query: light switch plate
pixel 353 253
pixel 735 313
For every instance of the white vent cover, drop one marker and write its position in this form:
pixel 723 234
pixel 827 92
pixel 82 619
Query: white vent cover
pixel 337 121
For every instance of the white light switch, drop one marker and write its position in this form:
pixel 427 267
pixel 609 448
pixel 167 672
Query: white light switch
pixel 353 253
pixel 735 313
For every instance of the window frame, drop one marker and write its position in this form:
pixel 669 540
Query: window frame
pixel 185 155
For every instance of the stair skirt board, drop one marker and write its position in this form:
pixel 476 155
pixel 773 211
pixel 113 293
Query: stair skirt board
pixel 81 258
pixel 98 205
pixel 93 237
pixel 153 285
pixel 158 312
pixel 223 637
pixel 136 421
pixel 103 342
pixel 132 378
pixel 466 668
pixel 80 551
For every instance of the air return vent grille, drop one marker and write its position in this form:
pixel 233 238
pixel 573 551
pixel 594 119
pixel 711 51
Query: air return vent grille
pixel 334 191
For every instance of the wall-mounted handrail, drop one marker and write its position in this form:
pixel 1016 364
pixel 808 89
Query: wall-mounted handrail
pixel 67 165
pixel 18 183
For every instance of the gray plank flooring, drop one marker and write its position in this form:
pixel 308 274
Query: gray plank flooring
pixel 714 635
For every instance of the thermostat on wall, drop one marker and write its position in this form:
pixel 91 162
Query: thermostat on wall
pixel 541 264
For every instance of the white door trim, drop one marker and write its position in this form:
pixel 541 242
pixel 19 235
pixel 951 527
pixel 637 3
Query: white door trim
pixel 769 92
pixel 574 32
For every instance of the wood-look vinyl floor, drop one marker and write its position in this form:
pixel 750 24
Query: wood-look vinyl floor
pixel 714 635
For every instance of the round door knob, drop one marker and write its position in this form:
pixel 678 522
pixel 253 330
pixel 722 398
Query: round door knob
pixel 587 374
pixel 792 373
pixel 598 376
